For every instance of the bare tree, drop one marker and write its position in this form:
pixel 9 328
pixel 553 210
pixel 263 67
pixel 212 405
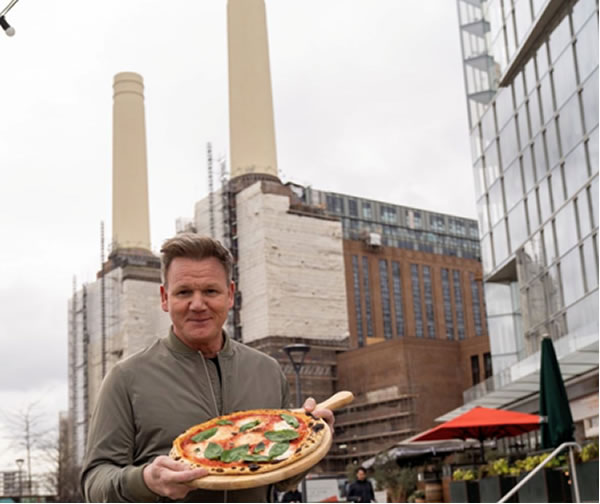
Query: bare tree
pixel 26 433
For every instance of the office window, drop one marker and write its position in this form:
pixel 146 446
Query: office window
pixel 458 303
pixel 475 373
pixel 335 204
pixel 437 222
pixel 385 299
pixel 357 301
pixel 353 208
pixel 416 293
pixel 428 301
pixel 367 291
pixel 388 214
pixel 476 306
pixel 397 284
pixel 447 304
pixel 367 210
pixel 487 365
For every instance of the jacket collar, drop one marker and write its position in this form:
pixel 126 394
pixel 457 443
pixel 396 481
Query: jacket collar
pixel 176 345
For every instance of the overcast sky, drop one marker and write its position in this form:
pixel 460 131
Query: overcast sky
pixel 368 98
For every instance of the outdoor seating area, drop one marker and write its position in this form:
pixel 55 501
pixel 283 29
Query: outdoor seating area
pixel 462 476
pixel 540 470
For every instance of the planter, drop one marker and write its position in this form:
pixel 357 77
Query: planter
pixel 587 477
pixel 464 491
pixel 492 489
pixel 548 485
pixel 433 492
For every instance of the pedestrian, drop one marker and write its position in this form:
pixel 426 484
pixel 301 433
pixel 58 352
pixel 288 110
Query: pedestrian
pixel 292 496
pixel 195 373
pixel 361 490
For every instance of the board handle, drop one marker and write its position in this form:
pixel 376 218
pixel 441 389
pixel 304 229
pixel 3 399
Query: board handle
pixel 336 401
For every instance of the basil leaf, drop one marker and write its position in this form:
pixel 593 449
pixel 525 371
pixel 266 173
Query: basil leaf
pixel 259 447
pixel 203 436
pixel 291 420
pixel 249 425
pixel 224 422
pixel 255 458
pixel 278 449
pixel 213 451
pixel 234 454
pixel 281 435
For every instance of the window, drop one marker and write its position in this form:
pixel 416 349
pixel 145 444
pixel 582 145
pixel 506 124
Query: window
pixel 388 214
pixel 437 222
pixel 416 292
pixel 458 303
pixel 357 302
pixel 367 210
pixel 385 299
pixel 476 305
pixel 367 291
pixel 487 365
pixel 428 302
pixel 475 373
pixel 397 284
pixel 334 203
pixel 447 304
pixel 353 208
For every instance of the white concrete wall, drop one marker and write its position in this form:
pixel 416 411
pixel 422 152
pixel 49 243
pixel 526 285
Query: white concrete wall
pixel 134 320
pixel 291 270
pixel 202 216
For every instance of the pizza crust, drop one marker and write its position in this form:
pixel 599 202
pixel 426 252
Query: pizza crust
pixel 315 433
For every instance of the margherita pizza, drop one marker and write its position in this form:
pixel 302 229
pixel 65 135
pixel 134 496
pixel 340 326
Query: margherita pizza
pixel 249 442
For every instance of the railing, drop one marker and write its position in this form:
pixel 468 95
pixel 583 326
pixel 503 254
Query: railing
pixel 539 467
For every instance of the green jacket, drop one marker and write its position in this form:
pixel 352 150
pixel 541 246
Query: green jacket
pixel 150 398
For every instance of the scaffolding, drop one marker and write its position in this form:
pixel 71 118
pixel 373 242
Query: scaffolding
pixel 230 239
pixel 211 190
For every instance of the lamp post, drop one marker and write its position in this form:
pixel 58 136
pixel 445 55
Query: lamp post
pixel 296 353
pixel 20 463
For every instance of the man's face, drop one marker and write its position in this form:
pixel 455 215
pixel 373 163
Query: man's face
pixel 197 297
pixel 361 475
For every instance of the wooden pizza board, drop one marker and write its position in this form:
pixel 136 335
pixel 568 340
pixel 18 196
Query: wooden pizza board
pixel 239 482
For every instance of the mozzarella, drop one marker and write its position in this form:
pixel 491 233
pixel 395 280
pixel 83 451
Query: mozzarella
pixel 283 425
pixel 286 454
pixel 250 438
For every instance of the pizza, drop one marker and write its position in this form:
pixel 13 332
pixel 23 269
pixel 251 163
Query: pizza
pixel 249 442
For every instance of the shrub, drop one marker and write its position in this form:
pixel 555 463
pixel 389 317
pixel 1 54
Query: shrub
pixel 589 451
pixel 463 475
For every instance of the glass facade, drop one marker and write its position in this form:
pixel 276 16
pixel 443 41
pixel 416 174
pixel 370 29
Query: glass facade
pixel 398 226
pixel 534 138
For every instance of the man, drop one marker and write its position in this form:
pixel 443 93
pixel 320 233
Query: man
pixel 361 490
pixel 194 374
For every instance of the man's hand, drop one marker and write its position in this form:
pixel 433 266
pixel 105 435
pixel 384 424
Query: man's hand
pixel 167 477
pixel 326 414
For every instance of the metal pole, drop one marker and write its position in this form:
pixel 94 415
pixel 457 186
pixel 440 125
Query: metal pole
pixel 574 474
pixel 299 404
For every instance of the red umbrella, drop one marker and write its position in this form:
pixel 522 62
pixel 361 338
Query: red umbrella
pixel 483 423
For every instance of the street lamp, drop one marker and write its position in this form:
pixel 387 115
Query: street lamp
pixel 20 463
pixel 296 353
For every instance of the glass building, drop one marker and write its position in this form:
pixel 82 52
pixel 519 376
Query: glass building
pixel 531 79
